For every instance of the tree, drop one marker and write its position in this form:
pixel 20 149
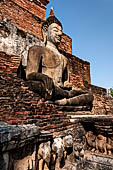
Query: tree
pixel 111 91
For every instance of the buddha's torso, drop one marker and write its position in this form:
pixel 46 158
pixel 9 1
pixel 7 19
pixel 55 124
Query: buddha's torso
pixel 47 61
pixel 53 65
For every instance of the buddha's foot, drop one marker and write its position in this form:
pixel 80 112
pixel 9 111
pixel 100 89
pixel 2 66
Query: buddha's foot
pixel 61 102
pixel 77 100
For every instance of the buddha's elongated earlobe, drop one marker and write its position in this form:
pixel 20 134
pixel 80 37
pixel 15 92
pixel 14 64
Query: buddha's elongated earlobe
pixel 44 34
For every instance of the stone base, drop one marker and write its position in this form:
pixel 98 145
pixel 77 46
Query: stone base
pixel 98 162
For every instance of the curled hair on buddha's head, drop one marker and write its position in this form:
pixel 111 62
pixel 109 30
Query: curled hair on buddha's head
pixel 50 20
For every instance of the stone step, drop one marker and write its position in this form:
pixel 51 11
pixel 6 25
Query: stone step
pixel 100 159
pixel 78 113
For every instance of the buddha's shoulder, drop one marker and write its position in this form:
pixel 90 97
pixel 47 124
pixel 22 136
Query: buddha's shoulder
pixel 40 48
pixel 36 48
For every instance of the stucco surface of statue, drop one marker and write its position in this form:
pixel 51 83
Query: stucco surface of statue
pixel 48 71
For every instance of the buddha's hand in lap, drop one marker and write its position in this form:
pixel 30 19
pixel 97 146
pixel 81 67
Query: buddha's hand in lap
pixel 44 83
pixel 67 84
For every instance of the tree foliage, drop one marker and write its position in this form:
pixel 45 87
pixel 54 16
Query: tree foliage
pixel 111 91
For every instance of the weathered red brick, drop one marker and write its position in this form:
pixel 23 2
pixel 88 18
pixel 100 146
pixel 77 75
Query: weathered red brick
pixel 22 18
pixel 66 44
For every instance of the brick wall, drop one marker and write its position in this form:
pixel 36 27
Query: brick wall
pixel 14 41
pixel 9 63
pixel 66 44
pixel 25 15
pixel 79 71
pixel 102 104
pixel 19 105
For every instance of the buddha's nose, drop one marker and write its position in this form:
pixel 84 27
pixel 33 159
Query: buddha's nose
pixel 60 32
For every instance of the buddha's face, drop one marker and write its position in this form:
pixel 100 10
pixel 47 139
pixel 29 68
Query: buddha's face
pixel 54 33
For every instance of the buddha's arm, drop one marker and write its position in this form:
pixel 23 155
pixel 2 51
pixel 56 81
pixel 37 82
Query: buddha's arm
pixel 66 74
pixel 33 60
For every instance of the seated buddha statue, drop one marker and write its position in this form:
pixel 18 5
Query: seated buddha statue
pixel 47 69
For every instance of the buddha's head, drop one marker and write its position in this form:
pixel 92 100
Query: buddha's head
pixel 52 29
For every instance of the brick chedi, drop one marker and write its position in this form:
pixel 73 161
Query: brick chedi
pixel 37 132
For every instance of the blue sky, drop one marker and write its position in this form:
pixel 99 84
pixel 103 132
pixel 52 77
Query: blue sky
pixel 90 25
